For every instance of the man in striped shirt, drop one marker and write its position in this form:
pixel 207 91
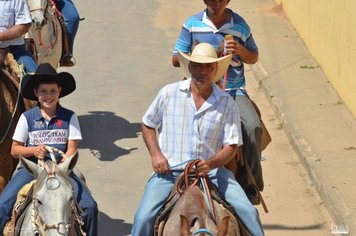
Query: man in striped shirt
pixel 196 120
pixel 213 25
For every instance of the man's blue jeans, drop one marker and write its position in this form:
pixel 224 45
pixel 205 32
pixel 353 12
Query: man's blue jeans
pixel 71 19
pixel 22 177
pixel 159 186
pixel 22 56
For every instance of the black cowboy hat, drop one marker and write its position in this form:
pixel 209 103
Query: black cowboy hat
pixel 46 73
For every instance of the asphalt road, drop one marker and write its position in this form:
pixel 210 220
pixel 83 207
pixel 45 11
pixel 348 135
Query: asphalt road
pixel 123 51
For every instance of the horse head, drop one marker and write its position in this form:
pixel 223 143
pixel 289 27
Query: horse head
pixel 37 9
pixel 53 203
pixel 195 229
pixel 195 218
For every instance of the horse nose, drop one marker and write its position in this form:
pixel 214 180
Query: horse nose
pixel 38 22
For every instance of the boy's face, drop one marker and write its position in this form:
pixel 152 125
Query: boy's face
pixel 48 94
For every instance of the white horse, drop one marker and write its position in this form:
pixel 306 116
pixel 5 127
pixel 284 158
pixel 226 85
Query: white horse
pixel 46 31
pixel 53 210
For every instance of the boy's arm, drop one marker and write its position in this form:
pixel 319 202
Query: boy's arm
pixel 72 147
pixel 175 61
pixel 19 149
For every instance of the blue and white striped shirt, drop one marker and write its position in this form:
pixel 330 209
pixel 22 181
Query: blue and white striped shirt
pixel 187 133
pixel 200 27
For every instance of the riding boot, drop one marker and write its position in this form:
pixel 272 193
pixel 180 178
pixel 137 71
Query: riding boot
pixel 68 60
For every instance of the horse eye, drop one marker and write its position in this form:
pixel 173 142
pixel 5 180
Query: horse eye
pixel 39 202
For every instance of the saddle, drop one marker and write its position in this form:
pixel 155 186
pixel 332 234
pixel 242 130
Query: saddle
pixel 13 72
pixel 24 198
pixel 183 181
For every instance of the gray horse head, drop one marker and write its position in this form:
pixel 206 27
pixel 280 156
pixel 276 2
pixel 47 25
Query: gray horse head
pixel 53 208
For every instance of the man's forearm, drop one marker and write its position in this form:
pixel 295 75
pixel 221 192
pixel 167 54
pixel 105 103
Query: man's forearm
pixel 223 156
pixel 247 56
pixel 150 138
pixel 14 32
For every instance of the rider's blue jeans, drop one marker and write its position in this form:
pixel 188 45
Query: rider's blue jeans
pixel 22 56
pixel 71 19
pixel 159 186
pixel 22 177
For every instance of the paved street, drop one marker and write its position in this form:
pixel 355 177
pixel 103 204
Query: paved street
pixel 123 51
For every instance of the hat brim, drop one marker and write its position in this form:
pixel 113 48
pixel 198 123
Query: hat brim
pixel 223 63
pixel 31 81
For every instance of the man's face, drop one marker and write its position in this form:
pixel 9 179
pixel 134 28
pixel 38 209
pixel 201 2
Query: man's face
pixel 203 73
pixel 216 7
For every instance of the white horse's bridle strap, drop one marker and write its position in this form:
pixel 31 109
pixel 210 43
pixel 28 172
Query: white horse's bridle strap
pixel 37 9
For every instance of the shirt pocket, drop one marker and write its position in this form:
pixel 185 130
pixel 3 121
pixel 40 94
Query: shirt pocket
pixel 7 18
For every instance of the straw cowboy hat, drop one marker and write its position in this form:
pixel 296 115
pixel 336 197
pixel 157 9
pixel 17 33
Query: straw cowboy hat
pixel 46 73
pixel 204 53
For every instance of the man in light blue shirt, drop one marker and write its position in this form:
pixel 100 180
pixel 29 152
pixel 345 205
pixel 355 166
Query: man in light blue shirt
pixel 15 21
pixel 196 120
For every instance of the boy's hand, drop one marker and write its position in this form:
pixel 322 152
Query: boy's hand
pixel 39 152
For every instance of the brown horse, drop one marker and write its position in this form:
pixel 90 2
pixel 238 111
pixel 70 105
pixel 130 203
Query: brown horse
pixel 194 207
pixel 11 107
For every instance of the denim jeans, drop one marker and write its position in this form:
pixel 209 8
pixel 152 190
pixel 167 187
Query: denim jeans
pixel 159 186
pixel 22 177
pixel 22 56
pixel 71 19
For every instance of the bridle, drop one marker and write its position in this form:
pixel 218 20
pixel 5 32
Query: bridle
pixel 52 10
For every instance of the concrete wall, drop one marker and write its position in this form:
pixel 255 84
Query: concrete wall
pixel 328 28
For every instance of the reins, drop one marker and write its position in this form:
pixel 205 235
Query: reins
pixel 189 169
pixel 55 13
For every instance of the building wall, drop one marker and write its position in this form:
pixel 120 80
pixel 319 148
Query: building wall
pixel 328 28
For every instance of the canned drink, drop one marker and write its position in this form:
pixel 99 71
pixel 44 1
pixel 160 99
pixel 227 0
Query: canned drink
pixel 226 38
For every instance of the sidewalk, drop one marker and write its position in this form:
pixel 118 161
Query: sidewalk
pixel 319 126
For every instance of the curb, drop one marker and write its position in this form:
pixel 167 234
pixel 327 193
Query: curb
pixel 330 196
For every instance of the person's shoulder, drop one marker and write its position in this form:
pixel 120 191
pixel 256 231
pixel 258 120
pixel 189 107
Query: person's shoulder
pixel 224 97
pixel 65 112
pixel 239 20
pixel 194 19
pixel 33 110
pixel 173 88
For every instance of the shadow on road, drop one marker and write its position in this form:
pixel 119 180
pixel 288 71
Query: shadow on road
pixel 112 227
pixel 293 227
pixel 101 129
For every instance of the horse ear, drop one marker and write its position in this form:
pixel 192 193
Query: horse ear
pixel 223 226
pixel 220 49
pixel 30 166
pixel 184 226
pixel 69 163
pixel 195 43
